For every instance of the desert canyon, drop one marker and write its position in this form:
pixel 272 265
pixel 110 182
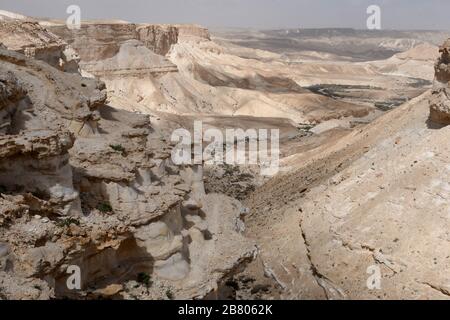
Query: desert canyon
pixel 87 179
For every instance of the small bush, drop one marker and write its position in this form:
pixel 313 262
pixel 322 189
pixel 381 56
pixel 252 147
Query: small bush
pixel 305 127
pixel 104 207
pixel 41 194
pixel 229 170
pixel 67 222
pixel 169 294
pixel 117 148
pixel 144 278
pixel 2 189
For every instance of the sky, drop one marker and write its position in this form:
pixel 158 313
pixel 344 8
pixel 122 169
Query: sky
pixel 259 14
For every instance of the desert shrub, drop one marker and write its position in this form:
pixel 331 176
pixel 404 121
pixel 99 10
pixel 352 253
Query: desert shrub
pixel 104 207
pixel 67 222
pixel 144 278
pixel 118 148
pixel 169 294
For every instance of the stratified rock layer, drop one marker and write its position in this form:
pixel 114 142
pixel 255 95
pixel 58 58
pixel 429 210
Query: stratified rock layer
pixel 83 184
pixel 35 41
pixel 366 216
pixel 440 101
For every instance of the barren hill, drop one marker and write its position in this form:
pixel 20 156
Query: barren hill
pixel 374 198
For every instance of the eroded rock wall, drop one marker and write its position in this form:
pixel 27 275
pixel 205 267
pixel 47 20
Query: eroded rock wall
pixel 98 41
pixel 83 184
pixel 35 41
pixel 122 50
pixel 158 38
pixel 440 101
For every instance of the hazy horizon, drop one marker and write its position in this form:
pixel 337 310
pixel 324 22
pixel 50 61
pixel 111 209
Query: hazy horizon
pixel 253 14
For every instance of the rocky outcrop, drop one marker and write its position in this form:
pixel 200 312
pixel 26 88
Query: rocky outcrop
pixel 83 184
pixel 34 153
pixel 33 40
pixel 98 41
pixel 440 101
pixel 178 69
pixel 36 163
pixel 133 60
pixel 197 31
pixel 28 104
pixel 122 49
pixel 158 38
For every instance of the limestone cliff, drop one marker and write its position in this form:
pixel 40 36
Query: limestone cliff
pixel 83 184
pixel 105 37
pixel 33 40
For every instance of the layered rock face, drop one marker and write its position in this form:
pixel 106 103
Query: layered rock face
pixel 83 184
pixel 96 41
pixel 38 163
pixel 133 60
pixel 158 38
pixel 35 41
pixel 440 102
pixel 186 30
pixel 178 69
pixel 371 221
